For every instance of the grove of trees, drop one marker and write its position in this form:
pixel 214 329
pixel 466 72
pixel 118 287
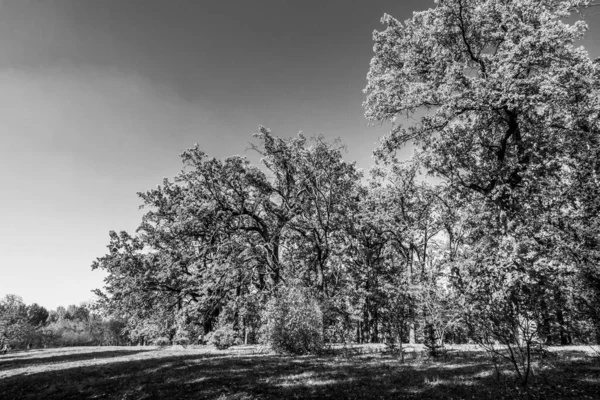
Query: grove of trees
pixel 490 233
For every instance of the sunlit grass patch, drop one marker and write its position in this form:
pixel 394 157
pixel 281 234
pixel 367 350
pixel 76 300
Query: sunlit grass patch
pixel 310 378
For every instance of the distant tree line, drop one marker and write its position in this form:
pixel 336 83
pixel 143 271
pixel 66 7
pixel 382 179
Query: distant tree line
pixel 33 326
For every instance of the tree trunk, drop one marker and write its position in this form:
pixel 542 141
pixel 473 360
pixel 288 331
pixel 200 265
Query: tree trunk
pixel 366 327
pixel 411 333
pixel 564 335
pixel 375 331
pixel 546 329
pixel 411 310
pixel 274 265
pixel 320 278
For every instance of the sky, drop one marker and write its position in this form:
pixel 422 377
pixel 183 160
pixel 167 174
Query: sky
pixel 98 99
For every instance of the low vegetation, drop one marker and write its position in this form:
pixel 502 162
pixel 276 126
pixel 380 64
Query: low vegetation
pixel 248 372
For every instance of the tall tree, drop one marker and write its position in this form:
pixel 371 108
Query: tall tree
pixel 508 117
pixel 14 327
pixel 224 229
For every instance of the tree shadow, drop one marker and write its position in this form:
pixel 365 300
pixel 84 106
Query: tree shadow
pixel 240 376
pixel 50 356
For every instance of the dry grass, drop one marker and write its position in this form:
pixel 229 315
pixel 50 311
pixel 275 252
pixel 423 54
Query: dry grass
pixel 249 372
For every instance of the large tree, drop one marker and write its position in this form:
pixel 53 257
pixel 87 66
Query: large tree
pixel 507 114
pixel 227 229
pixel 507 106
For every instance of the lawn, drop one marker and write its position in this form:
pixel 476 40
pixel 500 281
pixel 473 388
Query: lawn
pixel 249 372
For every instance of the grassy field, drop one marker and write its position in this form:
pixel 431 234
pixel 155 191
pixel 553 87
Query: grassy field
pixel 248 372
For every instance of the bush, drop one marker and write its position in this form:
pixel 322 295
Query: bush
pixel 293 322
pixel 162 341
pixel 223 338
pixel 182 341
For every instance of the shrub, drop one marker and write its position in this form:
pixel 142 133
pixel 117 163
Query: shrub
pixel 293 322
pixel 433 341
pixel 181 340
pixel 162 341
pixel 223 338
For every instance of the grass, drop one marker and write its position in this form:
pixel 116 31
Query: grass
pixel 248 372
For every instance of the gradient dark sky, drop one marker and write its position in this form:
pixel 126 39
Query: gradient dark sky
pixel 98 98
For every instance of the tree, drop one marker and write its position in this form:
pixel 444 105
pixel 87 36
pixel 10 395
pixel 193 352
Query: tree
pixel 507 117
pixel 36 315
pixel 510 106
pixel 13 320
pixel 330 193
pixel 226 229
pixel 294 322
pixel 370 264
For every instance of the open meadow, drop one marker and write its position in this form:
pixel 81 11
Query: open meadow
pixel 249 372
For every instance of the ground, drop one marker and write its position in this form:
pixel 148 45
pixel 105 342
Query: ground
pixel 250 372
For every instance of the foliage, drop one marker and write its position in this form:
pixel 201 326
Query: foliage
pixel 161 341
pixel 293 322
pixel 223 337
pixel 36 315
pixel 20 325
pixel 223 232
pixel 27 326
pixel 506 114
pixel 489 233
pixel 438 303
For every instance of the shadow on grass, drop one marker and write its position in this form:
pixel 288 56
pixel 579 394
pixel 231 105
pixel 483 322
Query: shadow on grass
pixel 36 357
pixel 182 375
